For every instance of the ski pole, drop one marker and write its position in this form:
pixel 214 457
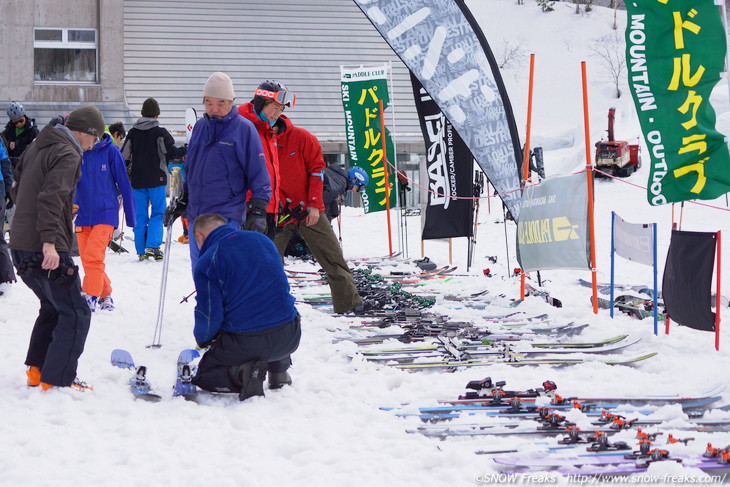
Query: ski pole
pixel 185 299
pixel 339 221
pixel 175 190
pixel 156 341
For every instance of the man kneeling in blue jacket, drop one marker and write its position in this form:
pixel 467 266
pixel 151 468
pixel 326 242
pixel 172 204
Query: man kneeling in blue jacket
pixel 244 312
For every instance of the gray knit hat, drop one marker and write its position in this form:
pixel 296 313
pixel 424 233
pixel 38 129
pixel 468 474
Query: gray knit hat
pixel 87 119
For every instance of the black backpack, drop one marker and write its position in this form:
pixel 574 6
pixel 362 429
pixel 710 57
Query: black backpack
pixel 335 184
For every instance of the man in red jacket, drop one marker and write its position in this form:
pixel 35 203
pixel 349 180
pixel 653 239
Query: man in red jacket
pixel 270 100
pixel 301 164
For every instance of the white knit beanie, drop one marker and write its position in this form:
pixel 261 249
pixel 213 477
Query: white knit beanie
pixel 219 85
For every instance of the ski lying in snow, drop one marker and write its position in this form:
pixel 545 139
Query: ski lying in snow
pixel 484 428
pixel 516 361
pixel 530 290
pixel 605 287
pixel 588 407
pixel 419 332
pixel 636 458
pixel 598 403
pixel 499 349
pixel 490 393
pixel 632 305
pixel 183 385
pixel 637 465
pixel 138 384
pixel 475 346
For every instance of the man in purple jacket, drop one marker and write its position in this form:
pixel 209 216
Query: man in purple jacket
pixel 224 167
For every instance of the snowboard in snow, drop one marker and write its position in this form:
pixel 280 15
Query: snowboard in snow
pixel 191 116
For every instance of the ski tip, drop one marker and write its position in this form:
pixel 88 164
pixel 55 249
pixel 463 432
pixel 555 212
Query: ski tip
pixel 122 358
pixel 188 355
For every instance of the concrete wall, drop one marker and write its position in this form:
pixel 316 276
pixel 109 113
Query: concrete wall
pixel 20 17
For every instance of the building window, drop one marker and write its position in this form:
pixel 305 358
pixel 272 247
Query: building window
pixel 65 55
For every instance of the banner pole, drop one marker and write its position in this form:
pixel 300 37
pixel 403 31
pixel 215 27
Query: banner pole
pixel 489 199
pixel 402 230
pixel 723 9
pixel 681 215
pixel 526 157
pixel 718 296
pixel 387 178
pixel 613 260
pixel 656 284
pixel 589 176
pixel 451 252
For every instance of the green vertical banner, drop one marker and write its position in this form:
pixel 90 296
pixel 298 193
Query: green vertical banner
pixel 675 51
pixel 362 90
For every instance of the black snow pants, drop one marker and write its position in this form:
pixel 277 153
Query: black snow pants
pixel 273 345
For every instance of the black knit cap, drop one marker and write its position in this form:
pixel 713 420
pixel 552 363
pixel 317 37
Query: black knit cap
pixel 150 108
pixel 87 119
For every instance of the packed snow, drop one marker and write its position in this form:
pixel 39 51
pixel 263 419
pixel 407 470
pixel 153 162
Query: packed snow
pixel 327 428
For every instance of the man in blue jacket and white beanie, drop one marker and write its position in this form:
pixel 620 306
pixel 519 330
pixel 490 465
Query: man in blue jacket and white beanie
pixel 225 167
pixel 244 312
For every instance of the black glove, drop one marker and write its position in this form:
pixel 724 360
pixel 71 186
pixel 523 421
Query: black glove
pixel 176 209
pixel 256 215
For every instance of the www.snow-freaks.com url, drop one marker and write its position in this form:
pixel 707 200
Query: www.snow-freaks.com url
pixel 537 478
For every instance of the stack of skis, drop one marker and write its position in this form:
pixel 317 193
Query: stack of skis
pixel 487 409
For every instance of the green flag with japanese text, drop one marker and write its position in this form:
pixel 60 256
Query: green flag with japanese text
pixel 675 52
pixel 362 90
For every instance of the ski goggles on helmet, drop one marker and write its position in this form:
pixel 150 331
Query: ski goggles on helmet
pixel 286 98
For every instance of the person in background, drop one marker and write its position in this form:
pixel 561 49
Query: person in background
pixel 19 132
pixel 103 179
pixel 244 312
pixel 301 163
pixel 40 241
pixel 147 150
pixel 269 101
pixel 117 132
pixel 225 162
pixel 7 275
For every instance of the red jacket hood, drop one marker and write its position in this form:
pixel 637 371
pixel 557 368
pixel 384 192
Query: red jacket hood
pixel 268 141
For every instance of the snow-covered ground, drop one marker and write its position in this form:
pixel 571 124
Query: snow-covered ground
pixel 327 429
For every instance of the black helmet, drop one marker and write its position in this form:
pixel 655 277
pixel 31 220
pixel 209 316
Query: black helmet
pixel 272 90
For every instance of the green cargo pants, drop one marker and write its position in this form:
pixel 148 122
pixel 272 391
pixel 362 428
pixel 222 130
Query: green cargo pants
pixel 321 240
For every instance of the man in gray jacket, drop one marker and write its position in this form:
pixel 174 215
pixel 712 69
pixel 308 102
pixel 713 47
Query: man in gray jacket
pixel 41 238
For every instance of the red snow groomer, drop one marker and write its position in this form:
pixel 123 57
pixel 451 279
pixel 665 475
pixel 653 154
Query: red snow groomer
pixel 616 157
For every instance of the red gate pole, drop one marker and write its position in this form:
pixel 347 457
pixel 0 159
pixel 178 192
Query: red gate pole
pixel 589 176
pixel 526 158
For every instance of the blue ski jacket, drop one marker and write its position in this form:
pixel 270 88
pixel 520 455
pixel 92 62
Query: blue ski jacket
pixel 240 285
pixel 103 178
pixel 225 161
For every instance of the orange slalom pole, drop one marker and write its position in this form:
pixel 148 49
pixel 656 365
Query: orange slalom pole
pixel 387 179
pixel 589 176
pixel 526 158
